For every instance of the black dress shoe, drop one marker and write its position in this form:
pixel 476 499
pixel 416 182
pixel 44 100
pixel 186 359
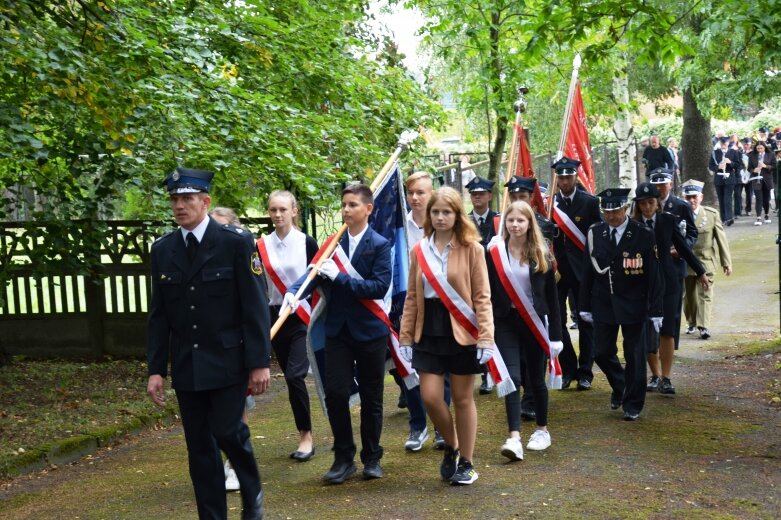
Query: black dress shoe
pixel 631 416
pixel 485 389
pixel 372 470
pixel 340 472
pixel 565 382
pixel 255 511
pixel 528 415
pixel 584 384
pixel 615 402
pixel 402 402
pixel 303 456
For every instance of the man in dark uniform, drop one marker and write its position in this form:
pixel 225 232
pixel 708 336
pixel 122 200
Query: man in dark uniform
pixel 574 212
pixel 481 193
pixel 663 180
pixel 621 288
pixel 209 314
pixel 725 164
pixel 522 188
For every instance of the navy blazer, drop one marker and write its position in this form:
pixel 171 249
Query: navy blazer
pixel 487 230
pixel 733 167
pixel 210 316
pixel 621 295
pixel 584 212
pixel 372 260
pixel 544 297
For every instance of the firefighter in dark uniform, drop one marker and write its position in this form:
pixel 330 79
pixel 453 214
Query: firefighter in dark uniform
pixel 621 287
pixel 209 317
pixel 579 209
pixel 522 188
pixel 481 193
pixel 663 180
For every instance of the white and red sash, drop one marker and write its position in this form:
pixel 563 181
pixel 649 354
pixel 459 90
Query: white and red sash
pixel 378 308
pixel 568 227
pixel 465 316
pixel 268 255
pixel 525 308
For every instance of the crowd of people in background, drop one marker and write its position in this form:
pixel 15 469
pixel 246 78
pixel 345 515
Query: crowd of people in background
pixel 485 288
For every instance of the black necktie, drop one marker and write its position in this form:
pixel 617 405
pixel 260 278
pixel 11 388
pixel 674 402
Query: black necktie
pixel 480 221
pixel 650 223
pixel 192 246
pixel 567 202
pixel 614 237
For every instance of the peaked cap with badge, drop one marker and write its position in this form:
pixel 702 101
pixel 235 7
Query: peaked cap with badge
pixel 518 183
pixel 613 198
pixel 477 185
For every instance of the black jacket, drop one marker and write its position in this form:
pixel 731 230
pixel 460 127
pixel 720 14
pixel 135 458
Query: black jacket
pixel 584 212
pixel 487 230
pixel 622 294
pixel 667 235
pixel 544 297
pixel 733 168
pixel 210 318
pixel 682 212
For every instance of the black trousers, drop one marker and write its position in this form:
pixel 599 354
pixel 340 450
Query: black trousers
pixel 525 361
pixel 627 384
pixel 725 194
pixel 290 347
pixel 212 422
pixel 342 355
pixel 575 367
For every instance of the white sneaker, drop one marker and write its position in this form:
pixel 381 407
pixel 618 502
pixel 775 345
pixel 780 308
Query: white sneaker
pixel 767 219
pixel 758 221
pixel 539 440
pixel 513 449
pixel 231 480
pixel 416 440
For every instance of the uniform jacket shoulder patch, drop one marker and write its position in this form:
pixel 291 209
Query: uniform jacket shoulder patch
pixel 255 264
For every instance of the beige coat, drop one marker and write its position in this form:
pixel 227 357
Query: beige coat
pixel 711 240
pixel 467 273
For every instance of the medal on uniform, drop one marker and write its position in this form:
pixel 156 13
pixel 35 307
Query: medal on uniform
pixel 255 264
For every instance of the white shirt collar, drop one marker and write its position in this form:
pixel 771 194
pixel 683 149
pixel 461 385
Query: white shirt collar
pixel 484 216
pixel 414 232
pixel 284 242
pixel 620 229
pixel 199 230
pixel 571 196
pixel 355 240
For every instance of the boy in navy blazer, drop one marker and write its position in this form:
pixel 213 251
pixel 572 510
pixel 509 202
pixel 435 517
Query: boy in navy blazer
pixel 355 338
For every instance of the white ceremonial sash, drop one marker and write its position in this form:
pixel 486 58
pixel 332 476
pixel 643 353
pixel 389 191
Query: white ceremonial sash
pixel 570 229
pixel 378 308
pixel 465 316
pixel 525 308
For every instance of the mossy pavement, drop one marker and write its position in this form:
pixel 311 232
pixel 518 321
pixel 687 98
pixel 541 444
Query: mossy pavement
pixel 711 451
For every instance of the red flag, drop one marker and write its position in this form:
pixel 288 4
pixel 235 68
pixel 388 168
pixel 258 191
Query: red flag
pixel 523 168
pixel 578 146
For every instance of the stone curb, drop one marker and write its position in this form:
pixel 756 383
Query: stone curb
pixel 67 450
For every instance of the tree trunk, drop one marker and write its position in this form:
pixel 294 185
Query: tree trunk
pixel 496 154
pixel 622 128
pixel 696 146
pixel 497 151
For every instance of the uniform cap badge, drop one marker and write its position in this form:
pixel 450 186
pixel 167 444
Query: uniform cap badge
pixel 175 176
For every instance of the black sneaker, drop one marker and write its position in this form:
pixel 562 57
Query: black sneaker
pixel 653 384
pixel 402 402
pixel 704 333
pixel 439 441
pixel 465 474
pixel 666 387
pixel 449 463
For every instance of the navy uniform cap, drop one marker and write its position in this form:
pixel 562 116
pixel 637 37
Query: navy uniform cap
pixel 660 176
pixel 517 183
pixel 724 139
pixel 613 198
pixel 646 190
pixel 187 180
pixel 477 184
pixel 746 140
pixel 566 166
pixel 692 187
pixel 762 130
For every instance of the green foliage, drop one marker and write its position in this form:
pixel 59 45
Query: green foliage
pixel 100 99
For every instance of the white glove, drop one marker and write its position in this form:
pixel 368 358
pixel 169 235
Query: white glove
pixel 657 323
pixel 484 355
pixel 290 301
pixel 406 353
pixel 496 239
pixel 587 317
pixel 328 270
pixel 555 348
